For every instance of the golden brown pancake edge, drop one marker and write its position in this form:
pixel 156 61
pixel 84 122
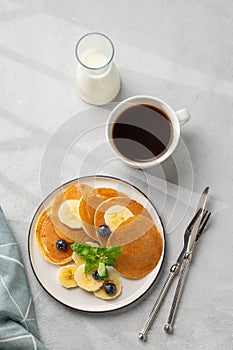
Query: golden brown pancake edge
pixel 90 202
pixel 135 207
pixel 141 253
pixel 71 192
pixel 46 238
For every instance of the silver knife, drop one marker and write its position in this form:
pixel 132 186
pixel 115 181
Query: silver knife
pixel 186 261
pixel 201 206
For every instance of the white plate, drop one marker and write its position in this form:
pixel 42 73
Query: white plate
pixel 77 298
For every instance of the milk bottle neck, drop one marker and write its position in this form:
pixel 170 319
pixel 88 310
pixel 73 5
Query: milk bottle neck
pixel 95 62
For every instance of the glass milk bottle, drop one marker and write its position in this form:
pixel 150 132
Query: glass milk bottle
pixel 97 77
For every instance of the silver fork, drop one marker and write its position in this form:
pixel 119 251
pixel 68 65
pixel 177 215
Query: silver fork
pixel 173 272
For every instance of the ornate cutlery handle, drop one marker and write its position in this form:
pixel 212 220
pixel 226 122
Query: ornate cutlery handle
pixel 184 269
pixel 173 271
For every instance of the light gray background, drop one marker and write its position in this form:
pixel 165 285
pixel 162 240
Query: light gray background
pixel 180 51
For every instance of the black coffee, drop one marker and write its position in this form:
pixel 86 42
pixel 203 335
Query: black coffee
pixel 142 132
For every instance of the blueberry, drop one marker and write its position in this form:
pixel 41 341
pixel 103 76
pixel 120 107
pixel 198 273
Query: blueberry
pixel 61 244
pixel 95 275
pixel 110 288
pixel 104 231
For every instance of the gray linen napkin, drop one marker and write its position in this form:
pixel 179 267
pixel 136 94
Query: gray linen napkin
pixel 18 329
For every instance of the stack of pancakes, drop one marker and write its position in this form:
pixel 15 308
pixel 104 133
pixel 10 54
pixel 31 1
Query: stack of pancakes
pixel 137 234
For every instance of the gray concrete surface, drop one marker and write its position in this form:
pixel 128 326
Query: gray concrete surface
pixel 179 51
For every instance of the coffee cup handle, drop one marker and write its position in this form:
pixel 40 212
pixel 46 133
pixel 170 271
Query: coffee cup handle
pixel 183 116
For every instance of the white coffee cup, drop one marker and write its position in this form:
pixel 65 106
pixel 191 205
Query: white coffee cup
pixel 176 119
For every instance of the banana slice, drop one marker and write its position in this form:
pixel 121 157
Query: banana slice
pixel 115 215
pixel 66 276
pixel 77 259
pixel 68 213
pixel 114 279
pixel 86 281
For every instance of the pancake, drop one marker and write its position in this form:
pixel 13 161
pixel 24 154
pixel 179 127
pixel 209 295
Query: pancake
pixel 141 246
pixel 99 219
pixel 76 191
pixel 46 238
pixel 89 203
pixel 70 234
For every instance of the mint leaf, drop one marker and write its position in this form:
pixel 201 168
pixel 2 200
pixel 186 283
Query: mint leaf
pixel 102 271
pixel 97 256
pixel 114 251
pixel 85 252
pixel 80 247
pixel 88 267
pixel 109 262
pixel 94 250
